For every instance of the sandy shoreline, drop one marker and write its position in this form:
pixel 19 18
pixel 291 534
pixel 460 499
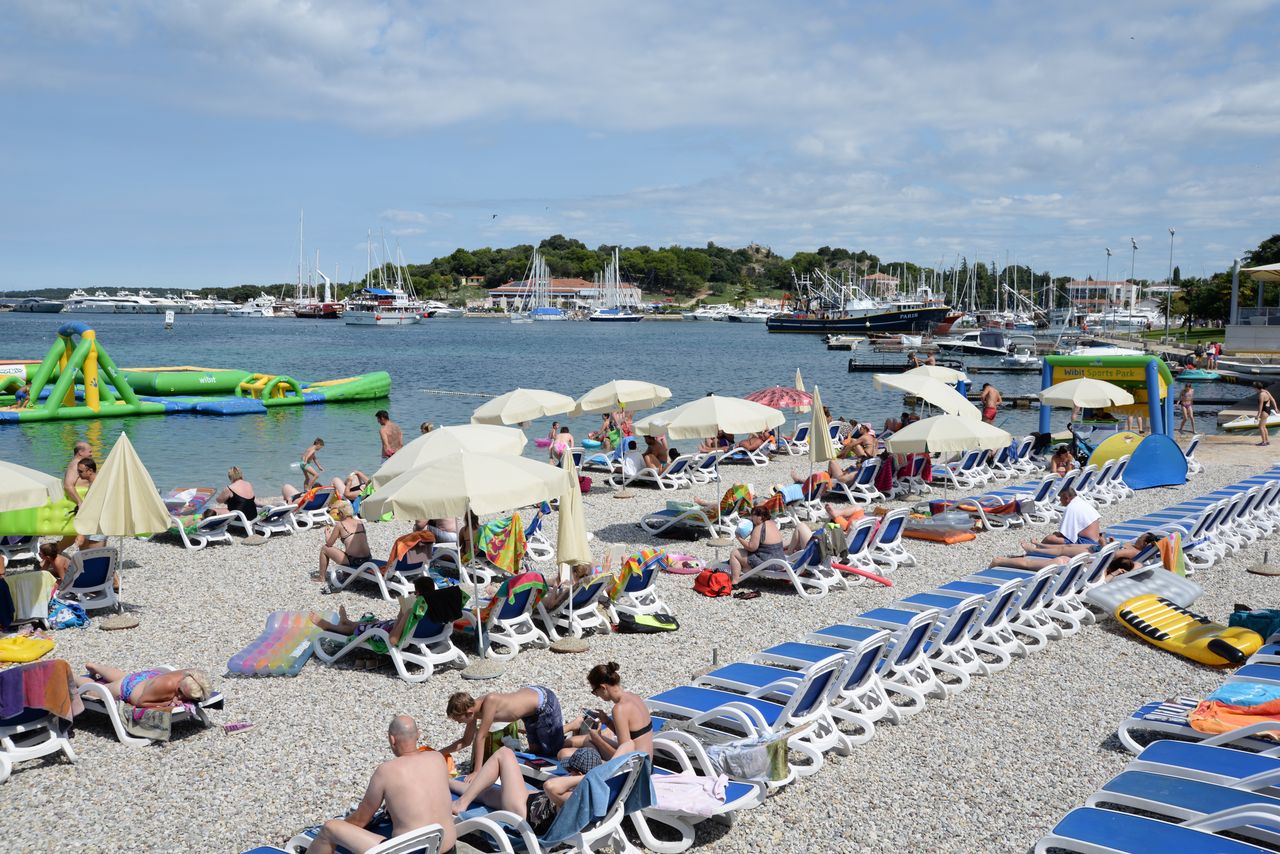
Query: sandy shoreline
pixel 988 770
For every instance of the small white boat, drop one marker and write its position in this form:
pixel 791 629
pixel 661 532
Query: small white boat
pixel 1250 422
pixel 707 312
pixel 262 306
pixel 435 308
pixel 1021 357
pixel 750 315
pixel 844 342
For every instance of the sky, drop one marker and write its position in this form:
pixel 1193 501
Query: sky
pixel 173 143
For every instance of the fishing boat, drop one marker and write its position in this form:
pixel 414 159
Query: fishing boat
pixel 38 305
pixel 392 303
pixel 612 308
pixel 824 304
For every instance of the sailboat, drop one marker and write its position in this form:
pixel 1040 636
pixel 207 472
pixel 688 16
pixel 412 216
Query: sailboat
pixel 611 306
pixel 307 300
pixel 538 290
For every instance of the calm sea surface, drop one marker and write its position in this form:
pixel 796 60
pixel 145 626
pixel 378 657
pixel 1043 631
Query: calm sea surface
pixel 454 355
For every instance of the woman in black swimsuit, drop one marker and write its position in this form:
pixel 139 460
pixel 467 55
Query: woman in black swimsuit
pixel 355 545
pixel 238 495
pixel 629 728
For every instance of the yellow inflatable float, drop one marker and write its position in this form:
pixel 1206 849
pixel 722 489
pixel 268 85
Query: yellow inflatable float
pixel 1114 447
pixel 1170 626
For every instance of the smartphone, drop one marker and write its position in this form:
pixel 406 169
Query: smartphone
pixel 539 763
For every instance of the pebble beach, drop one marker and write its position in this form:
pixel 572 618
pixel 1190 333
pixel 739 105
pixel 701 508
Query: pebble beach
pixel 988 770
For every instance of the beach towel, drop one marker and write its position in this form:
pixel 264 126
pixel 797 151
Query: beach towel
pixel 737 499
pixel 1236 705
pixel 590 800
pixel 775 504
pixel 503 544
pixel 815 485
pixel 690 794
pixel 1171 554
pixel 884 479
pixel 636 564
pixel 405 544
pixel 46 685
pixel 509 589
pixel 30 592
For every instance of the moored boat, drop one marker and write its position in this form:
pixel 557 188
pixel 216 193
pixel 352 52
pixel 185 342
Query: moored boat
pixel 38 305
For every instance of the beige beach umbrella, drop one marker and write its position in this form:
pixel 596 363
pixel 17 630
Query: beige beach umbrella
pixel 800 387
pixel 947 434
pixel 447 441
pixel 123 500
pixel 1086 393
pixel 571 536
pixel 449 486
pixel 933 392
pixel 821 449
pixel 701 418
pixel 521 405
pixel 1264 272
pixel 622 394
pixel 21 487
pixel 950 376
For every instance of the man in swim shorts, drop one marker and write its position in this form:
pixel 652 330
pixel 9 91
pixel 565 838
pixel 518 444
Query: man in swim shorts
pixel 389 434
pixel 991 400
pixel 414 786
pixel 537 706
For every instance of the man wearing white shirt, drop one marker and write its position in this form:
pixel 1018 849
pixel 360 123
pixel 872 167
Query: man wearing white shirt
pixel 1080 521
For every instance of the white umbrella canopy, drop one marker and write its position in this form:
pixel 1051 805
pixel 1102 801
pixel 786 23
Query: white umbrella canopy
pixel 821 449
pixel 701 418
pixel 622 394
pixel 447 441
pixel 938 372
pixel 931 391
pixel 947 434
pixel 21 487
pixel 571 535
pixel 1264 272
pixel 484 483
pixel 1086 393
pixel 123 500
pixel 521 405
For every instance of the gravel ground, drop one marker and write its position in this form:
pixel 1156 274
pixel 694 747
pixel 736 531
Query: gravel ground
pixel 989 770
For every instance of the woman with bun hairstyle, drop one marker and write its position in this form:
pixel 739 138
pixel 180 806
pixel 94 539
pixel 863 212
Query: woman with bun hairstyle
pixel 628 728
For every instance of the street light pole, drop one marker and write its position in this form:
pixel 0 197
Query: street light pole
pixel 1168 292
pixel 1106 288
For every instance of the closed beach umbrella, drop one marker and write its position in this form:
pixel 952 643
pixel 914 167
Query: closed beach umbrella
pixel 950 376
pixel 781 397
pixel 623 394
pixel 446 441
pixel 571 536
pixel 821 449
pixel 800 387
pixel 123 500
pixel 521 405
pixel 21 487
pixel 485 483
pixel 933 392
pixel 701 418
pixel 1086 393
pixel 947 434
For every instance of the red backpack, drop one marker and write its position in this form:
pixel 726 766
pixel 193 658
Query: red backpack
pixel 713 582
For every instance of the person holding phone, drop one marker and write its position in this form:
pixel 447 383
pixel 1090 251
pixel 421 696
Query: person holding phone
pixel 629 724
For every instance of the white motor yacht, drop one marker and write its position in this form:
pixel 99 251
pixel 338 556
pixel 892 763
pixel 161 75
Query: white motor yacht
pixel 435 308
pixel 755 314
pixel 81 303
pixel 262 306
pixel 131 303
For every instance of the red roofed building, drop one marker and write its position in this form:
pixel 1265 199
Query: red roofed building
pixel 565 293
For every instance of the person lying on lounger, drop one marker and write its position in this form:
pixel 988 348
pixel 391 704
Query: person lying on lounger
pixel 150 689
pixel 414 787
pixel 499 785
pixel 581 574
pixel 630 722
pixel 1129 550
pixel 412 609
pixel 352 487
pixel 720 441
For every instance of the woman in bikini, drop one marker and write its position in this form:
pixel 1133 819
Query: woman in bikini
pixel 764 543
pixel 150 689
pixel 355 544
pixel 629 723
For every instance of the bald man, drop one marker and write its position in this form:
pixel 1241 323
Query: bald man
pixel 415 788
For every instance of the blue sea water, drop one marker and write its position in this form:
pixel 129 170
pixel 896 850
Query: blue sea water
pixel 478 357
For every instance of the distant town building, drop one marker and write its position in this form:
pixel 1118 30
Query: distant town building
pixel 565 294
pixel 1090 292
pixel 880 285
pixel 473 281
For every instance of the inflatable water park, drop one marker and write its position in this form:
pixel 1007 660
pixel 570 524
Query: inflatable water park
pixel 78 379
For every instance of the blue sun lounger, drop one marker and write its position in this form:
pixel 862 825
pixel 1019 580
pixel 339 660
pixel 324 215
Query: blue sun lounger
pixel 1093 831
pixel 1208 763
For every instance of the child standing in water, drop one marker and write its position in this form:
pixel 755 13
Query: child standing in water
pixel 311 467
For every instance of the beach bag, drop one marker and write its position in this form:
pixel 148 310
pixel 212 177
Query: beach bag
pixel 647 624
pixel 1264 621
pixel 832 544
pixel 713 583
pixel 584 484
pixel 763 759
pixel 66 615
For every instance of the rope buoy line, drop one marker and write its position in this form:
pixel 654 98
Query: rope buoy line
pixel 456 393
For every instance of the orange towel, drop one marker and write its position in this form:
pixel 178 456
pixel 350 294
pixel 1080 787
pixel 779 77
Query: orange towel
pixel 845 521
pixel 1214 717
pixel 403 545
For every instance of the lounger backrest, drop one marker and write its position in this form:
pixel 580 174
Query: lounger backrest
pixel 917 466
pixel 961 622
pixel 215 524
pixel 1068 578
pixel 809 555
pixel 1044 489
pixel 619 784
pixel 1191 446
pixel 425 630
pixel 1036 590
pixel 1122 465
pixel 908 641
pixel 1068 480
pixel 516 605
pixel 1084 479
pixel 319 500
pixel 866 660
pixel 643 580
pixel 584 596
pixel 1105 473
pixel 811 695
pixel 273 515
pixel 802 434
pixel 1098 565
pixel 91 568
pixel 859 537
pixel 15 542
pixel 867 473
pixel 1000 603
pixel 890 530
pixel 677 466
pixel 410 561
pixel 578 455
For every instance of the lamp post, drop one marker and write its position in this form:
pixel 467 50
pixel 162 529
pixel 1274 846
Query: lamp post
pixel 1168 293
pixel 1132 283
pixel 1106 288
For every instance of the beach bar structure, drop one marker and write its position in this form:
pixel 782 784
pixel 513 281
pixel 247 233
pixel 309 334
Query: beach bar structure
pixel 1147 378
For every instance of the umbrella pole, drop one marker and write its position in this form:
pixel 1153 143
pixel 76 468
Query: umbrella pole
pixel 484 668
